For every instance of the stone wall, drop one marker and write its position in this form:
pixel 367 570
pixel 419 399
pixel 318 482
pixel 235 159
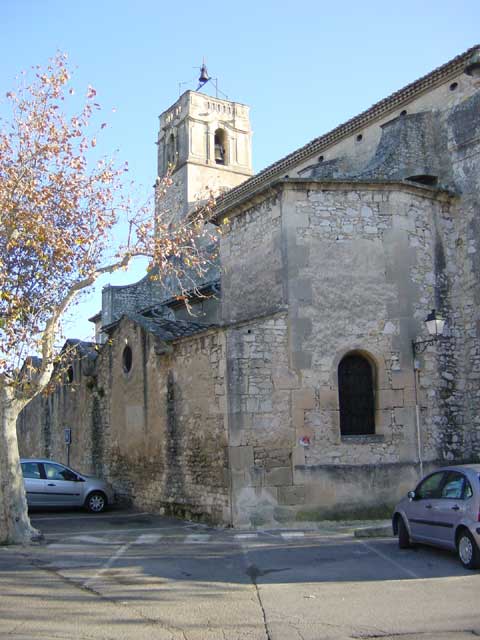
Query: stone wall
pixel 156 432
pixel 462 124
pixel 365 281
pixel 79 405
pixel 167 437
pixel 359 266
pixel 259 417
pixel 364 272
pixel 118 300
pixel 253 282
pixel 363 260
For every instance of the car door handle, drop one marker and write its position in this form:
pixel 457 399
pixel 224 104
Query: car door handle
pixel 428 506
pixel 456 508
pixel 50 484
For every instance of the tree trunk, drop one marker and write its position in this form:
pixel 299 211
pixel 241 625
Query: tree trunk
pixel 15 527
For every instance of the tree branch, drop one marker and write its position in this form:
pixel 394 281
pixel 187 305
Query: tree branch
pixel 48 338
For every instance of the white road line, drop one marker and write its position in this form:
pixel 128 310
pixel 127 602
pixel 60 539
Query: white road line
pixel 70 547
pixel 80 541
pixel 95 540
pixel 245 536
pixel 396 564
pixel 117 531
pixel 197 538
pixel 148 538
pixel 88 583
pixel 286 535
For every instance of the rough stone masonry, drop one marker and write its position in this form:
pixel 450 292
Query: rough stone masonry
pixel 293 393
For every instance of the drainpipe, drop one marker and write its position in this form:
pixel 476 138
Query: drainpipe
pixel 226 417
pixel 417 414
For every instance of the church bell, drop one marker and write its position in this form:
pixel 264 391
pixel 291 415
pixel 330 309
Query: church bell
pixel 219 154
pixel 204 77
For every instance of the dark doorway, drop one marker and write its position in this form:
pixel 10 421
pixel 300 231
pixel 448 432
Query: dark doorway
pixel 355 389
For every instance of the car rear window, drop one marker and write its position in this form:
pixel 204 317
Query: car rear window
pixel 457 486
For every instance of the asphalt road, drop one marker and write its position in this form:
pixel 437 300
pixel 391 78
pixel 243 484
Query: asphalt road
pixel 126 575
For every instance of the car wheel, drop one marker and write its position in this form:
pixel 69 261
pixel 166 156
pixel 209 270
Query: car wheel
pixel 403 537
pixel 468 551
pixel 96 502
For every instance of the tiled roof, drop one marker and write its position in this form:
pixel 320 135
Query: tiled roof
pixel 85 349
pixel 379 109
pixel 166 330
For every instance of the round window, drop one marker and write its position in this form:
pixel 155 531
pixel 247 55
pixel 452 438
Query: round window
pixel 127 359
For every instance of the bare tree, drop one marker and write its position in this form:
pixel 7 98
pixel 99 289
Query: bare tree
pixel 58 205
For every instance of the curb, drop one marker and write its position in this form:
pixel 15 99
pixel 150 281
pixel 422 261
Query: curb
pixel 374 532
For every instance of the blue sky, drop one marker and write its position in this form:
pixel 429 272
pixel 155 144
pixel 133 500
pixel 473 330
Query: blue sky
pixel 303 69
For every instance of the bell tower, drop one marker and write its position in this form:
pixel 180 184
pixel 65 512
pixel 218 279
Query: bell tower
pixel 207 142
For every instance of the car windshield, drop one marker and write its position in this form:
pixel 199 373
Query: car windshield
pixel 75 471
pixel 79 473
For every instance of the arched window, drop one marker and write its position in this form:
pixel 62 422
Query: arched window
pixel 70 375
pixel 356 395
pixel 171 151
pixel 220 147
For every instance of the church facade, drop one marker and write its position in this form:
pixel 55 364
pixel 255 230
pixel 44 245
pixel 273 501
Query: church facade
pixel 305 385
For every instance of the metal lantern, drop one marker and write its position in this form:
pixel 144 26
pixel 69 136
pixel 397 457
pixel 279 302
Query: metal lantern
pixel 435 323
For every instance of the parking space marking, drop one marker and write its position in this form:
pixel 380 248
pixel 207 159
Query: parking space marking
pixel 286 535
pixel 148 538
pixel 95 540
pixel 396 564
pixel 197 538
pixel 77 542
pixel 70 547
pixel 119 530
pixel 88 583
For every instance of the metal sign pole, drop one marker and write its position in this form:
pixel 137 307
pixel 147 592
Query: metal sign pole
pixel 67 434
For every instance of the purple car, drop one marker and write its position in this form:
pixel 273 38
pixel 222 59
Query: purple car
pixel 443 511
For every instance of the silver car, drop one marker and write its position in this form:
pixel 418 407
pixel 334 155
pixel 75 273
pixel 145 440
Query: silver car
pixel 444 511
pixel 51 484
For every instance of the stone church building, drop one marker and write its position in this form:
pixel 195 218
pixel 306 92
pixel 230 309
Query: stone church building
pixel 295 392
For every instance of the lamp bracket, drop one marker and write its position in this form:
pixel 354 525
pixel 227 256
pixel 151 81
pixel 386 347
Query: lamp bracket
pixel 419 346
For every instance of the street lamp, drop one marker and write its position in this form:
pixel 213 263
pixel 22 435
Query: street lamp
pixel 435 325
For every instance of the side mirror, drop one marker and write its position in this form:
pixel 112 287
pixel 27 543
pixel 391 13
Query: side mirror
pixel 78 479
pixel 411 495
